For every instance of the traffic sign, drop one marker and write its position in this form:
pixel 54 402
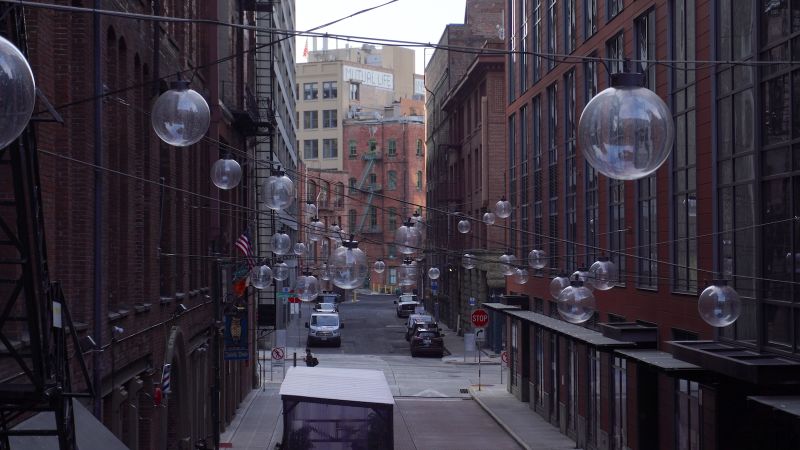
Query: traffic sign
pixel 277 353
pixel 480 318
pixel 504 357
pixel 472 301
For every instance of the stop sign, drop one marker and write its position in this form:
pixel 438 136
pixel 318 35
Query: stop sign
pixel 480 318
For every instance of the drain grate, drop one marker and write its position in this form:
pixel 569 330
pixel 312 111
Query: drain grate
pixel 463 391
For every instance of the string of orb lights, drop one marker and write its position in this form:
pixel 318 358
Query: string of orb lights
pixel 625 132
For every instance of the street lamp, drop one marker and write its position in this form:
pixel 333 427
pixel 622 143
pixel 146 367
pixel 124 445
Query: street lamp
pixel 502 208
pixel 278 191
pixel 18 91
pixel 719 304
pixel 537 259
pixel 558 284
pixel 507 262
pixel 307 287
pixel 261 277
pixel 603 273
pixel 226 173
pixel 348 265
pixel 407 237
pixel 180 116
pixel 281 243
pixel 468 261
pixel 576 303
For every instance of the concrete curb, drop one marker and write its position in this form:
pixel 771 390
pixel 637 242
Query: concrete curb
pixel 499 421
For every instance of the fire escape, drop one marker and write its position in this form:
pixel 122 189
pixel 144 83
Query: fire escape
pixel 371 157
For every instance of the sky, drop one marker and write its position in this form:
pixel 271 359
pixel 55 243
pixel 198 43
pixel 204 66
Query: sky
pixel 409 20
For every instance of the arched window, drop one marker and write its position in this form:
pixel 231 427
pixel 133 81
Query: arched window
pixel 391 183
pixel 311 191
pixel 352 185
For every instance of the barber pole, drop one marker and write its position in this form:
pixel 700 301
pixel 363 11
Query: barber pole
pixel 165 385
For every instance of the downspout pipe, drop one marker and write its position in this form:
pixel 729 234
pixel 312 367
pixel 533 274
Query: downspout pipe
pixel 97 373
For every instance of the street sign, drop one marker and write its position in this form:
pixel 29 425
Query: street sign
pixel 434 285
pixel 277 353
pixel 480 318
pixel 504 357
pixel 472 301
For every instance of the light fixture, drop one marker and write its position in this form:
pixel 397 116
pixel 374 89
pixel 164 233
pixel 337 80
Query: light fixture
pixel 336 234
pixel 280 270
pixel 433 273
pixel 464 226
pixel 379 266
pixel 719 304
pixel 261 276
pixel 226 173
pixel 583 275
pixel 310 208
pixel 407 238
pixel 603 273
pixel 300 249
pixel 306 287
pixel 180 116
pixel 18 92
pixel 576 303
pixel 348 265
pixel 281 243
pixel 278 192
pixel 626 131
pixel 468 261
pixel 537 259
pixel 558 284
pixel 489 218
pixel 502 208
pixel 507 262
pixel 324 273
pixel 520 275
pixel 407 273
pixel 315 229
pixel 419 224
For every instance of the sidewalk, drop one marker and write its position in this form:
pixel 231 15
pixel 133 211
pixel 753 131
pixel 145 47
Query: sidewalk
pixel 454 344
pixel 258 422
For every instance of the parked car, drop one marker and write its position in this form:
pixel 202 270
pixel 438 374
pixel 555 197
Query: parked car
pixel 427 341
pixel 406 308
pixel 324 328
pixel 416 321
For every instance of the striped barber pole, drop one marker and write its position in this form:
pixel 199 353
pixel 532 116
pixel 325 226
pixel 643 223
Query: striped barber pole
pixel 165 385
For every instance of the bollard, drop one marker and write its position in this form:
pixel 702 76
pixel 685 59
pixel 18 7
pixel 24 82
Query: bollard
pixel 294 359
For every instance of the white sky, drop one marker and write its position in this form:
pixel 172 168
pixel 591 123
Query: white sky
pixel 409 20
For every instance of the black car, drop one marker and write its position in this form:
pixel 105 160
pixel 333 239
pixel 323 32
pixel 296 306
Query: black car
pixel 428 342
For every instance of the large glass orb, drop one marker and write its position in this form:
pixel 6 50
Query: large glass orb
pixel 520 275
pixel 310 209
pixel 433 273
pixel 278 192
pixel 348 265
pixel 226 173
pixel 315 229
pixel 576 303
pixel 261 276
pixel 336 234
pixel 626 131
pixel 379 266
pixel 280 271
pixel 558 284
pixel 464 226
pixel 468 261
pixel 583 275
pixel 537 259
pixel 281 243
pixel 489 218
pixel 18 91
pixel 419 224
pixel 180 115
pixel 407 273
pixel 507 263
pixel 502 208
pixel 407 238
pixel 306 287
pixel 719 304
pixel 300 249
pixel 603 273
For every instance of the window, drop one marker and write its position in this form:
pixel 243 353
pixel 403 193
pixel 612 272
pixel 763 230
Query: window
pixel 353 151
pixel 688 415
pixel 590 78
pixel 311 191
pixel 552 31
pixel 373 146
pixel 373 217
pixel 310 91
pixel 619 409
pixel 538 376
pixel 351 220
pixel 329 118
pixel 329 89
pixel 570 172
pixel 392 272
pixel 592 214
pixel 391 222
pixel 352 184
pixel 420 151
pixel 392 255
pixel 419 180
pixel 512 368
pixel 524 195
pixel 392 147
pixel 523 47
pixel 590 16
pixel 536 162
pixel 648 238
pixel 511 61
pixel 593 419
pixel 552 171
pixel 373 179
pixel 310 120
pixel 645 26
pixel 339 192
pixel 617 227
pixel 310 149
pixel 536 39
pixel 615 52
pixel 330 148
pixel 391 183
pixel 614 7
pixel 355 91
pixel 569 28
pixel 512 177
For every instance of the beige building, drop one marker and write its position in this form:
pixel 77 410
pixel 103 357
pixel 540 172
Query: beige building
pixel 339 84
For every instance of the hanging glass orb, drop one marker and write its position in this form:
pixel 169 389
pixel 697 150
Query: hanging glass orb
pixel 558 284
pixel 502 208
pixel 520 275
pixel 537 259
pixel 278 191
pixel 419 224
pixel 583 275
pixel 626 131
pixel 281 243
pixel 488 218
pixel 316 229
pixel 180 116
pixel 468 261
pixel 433 273
pixel 306 287
pixel 335 233
pixel 280 271
pixel 324 273
pixel 407 273
pixel 464 226
pixel 507 263
pixel 300 249
pixel 603 273
pixel 348 265
pixel 226 173
pixel 261 276
pixel 407 238
pixel 18 92
pixel 576 303
pixel 310 209
pixel 379 266
pixel 719 304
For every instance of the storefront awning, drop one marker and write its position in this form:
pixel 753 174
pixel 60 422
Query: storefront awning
pixel 737 361
pixel 576 332
pixel 500 306
pixel 658 359
pixel 788 404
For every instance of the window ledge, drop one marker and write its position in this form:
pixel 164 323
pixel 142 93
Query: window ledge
pixel 114 316
pixel 179 296
pixel 165 300
pixel 142 307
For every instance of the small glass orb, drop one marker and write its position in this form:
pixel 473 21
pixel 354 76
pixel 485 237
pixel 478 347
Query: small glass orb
pixel 489 218
pixel 433 273
pixel 316 229
pixel 407 238
pixel 502 208
pixel 719 304
pixel 280 271
pixel 300 249
pixel 348 265
pixel 379 266
pixel 407 273
pixel 324 273
pixel 468 261
pixel 419 224
pixel 603 273
pixel 335 233
pixel 576 303
pixel 507 263
pixel 281 243
pixel 626 131
pixel 180 116
pixel 520 275
pixel 226 173
pixel 261 276
pixel 18 92
pixel 310 209
pixel 307 287
pixel 558 284
pixel 464 226
pixel 583 275
pixel 537 259
pixel 278 192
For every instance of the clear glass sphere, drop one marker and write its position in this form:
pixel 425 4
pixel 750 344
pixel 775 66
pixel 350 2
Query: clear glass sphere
pixel 261 276
pixel 307 287
pixel 278 192
pixel 310 209
pixel 583 275
pixel 348 267
pixel 315 230
pixel 433 273
pixel 280 271
pixel 626 132
pixel 226 173
pixel 324 272
pixel 468 261
pixel 419 225
pixel 537 259
pixel 281 243
pixel 719 304
pixel 464 226
pixel 379 266
pixel 181 116
pixel 520 275
pixel 18 92
pixel 489 218
pixel 300 249
pixel 603 274
pixel 502 208
pixel 557 285
pixel 407 238
pixel 507 263
pixel 407 274
pixel 335 233
pixel 576 303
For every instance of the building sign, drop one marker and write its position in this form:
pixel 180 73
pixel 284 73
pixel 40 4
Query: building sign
pixel 419 86
pixel 380 80
pixel 236 336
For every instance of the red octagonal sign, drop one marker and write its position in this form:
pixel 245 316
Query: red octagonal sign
pixel 480 318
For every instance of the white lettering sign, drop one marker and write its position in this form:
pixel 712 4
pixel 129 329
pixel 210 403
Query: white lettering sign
pixel 381 80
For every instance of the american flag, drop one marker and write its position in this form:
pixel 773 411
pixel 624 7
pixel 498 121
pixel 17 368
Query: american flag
pixel 243 244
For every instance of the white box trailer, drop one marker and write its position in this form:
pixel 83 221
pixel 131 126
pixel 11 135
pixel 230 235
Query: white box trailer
pixel 336 409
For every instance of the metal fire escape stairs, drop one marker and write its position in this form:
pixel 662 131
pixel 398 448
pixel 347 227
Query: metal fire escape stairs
pixel 371 158
pixel 35 323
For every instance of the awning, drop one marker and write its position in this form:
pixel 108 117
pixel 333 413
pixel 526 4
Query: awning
pixel 789 404
pixel 738 361
pixel 91 433
pixel 499 306
pixel 658 359
pixel 576 332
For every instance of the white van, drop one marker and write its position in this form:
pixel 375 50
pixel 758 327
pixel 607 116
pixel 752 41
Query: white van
pixel 324 328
